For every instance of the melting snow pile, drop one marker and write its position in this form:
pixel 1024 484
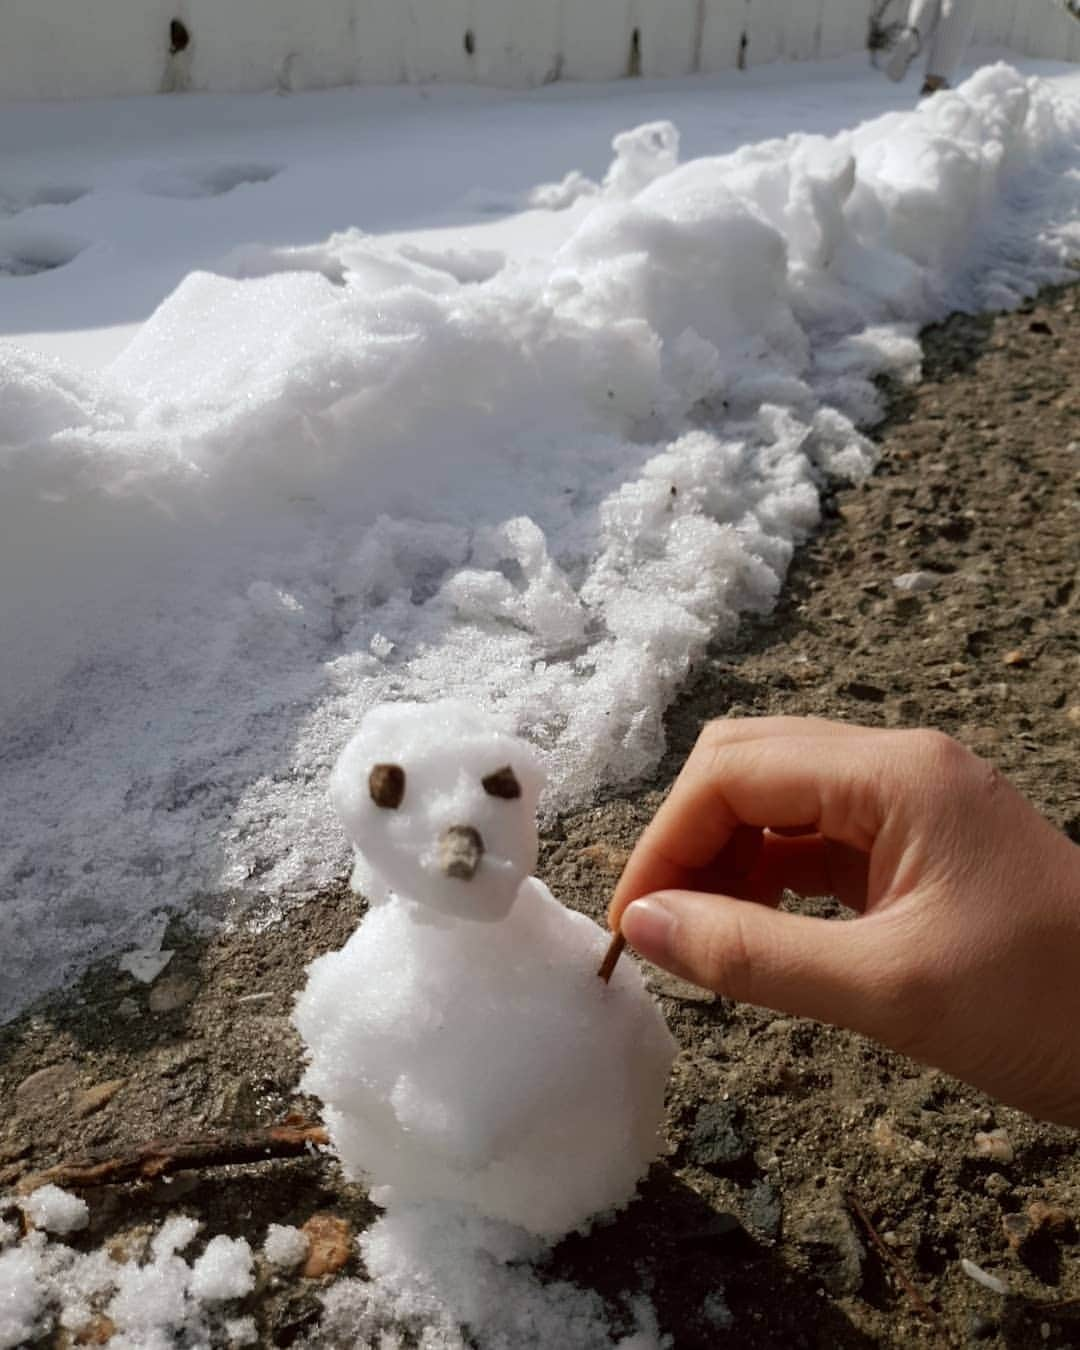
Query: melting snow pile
pixel 472 1064
pixel 325 478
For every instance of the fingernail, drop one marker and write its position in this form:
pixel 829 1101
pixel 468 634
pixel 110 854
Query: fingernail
pixel 647 925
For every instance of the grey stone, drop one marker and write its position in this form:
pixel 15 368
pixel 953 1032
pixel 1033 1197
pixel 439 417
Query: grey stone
pixel 764 1210
pixel 718 1139
pixel 41 1089
pixel 175 991
pixel 832 1250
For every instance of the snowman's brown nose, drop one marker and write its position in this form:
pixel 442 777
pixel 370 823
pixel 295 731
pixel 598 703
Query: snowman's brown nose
pixel 460 851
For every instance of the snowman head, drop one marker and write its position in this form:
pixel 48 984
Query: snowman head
pixel 440 804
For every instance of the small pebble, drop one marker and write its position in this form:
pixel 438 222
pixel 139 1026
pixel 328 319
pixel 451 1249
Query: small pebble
pixel 996 1186
pixel 915 583
pixel 1052 1218
pixel 329 1245
pixel 171 993
pixel 764 1210
pixel 98 1331
pixel 994 1144
pixel 1017 1229
pixel 94 1098
pixel 983 1277
pixel 42 1089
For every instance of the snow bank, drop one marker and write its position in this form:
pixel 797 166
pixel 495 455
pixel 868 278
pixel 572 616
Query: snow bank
pixel 131 47
pixel 393 473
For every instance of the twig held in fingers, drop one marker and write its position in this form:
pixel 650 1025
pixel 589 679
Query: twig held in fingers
pixel 614 951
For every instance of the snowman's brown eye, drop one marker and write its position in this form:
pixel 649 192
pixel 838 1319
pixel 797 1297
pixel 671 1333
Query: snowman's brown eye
pixel 386 783
pixel 502 783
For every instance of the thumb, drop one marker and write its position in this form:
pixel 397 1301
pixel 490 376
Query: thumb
pixel 830 970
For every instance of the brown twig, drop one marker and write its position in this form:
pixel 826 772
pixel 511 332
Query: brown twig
pixel 614 951
pixel 161 1157
pixel 895 1266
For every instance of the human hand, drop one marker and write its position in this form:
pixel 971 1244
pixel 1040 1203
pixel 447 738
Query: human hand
pixel 965 951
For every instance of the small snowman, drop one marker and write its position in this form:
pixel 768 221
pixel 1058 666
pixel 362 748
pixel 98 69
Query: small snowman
pixel 465 1049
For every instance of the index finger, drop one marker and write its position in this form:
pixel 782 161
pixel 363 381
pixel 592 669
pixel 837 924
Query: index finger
pixel 774 772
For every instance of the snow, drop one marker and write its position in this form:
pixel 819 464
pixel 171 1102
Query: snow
pixel 153 1304
pixel 285 1246
pixel 55 1210
pixel 534 459
pixel 20 1296
pixel 223 1271
pixel 455 1281
pixel 483 1044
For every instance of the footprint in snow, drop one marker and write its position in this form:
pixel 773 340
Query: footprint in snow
pixel 25 252
pixel 14 200
pixel 208 180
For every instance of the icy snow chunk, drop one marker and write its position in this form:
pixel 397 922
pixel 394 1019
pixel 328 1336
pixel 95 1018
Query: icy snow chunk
pixel 484 1045
pixel 22 1294
pixel 285 1246
pixel 148 958
pixel 55 1210
pixel 145 966
pixel 173 1236
pixel 558 196
pixel 223 1271
pixel 151 1298
pixel 642 155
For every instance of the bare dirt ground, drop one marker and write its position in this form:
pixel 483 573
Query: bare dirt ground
pixel 780 1130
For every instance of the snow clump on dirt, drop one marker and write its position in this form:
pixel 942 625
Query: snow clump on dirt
pixel 55 1211
pixel 151 1304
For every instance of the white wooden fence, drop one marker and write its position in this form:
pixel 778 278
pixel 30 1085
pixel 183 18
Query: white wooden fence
pixel 78 48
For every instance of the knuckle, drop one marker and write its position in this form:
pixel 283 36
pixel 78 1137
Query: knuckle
pixel 713 737
pixel 937 752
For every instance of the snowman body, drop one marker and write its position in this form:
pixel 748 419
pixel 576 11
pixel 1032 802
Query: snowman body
pixel 462 1043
